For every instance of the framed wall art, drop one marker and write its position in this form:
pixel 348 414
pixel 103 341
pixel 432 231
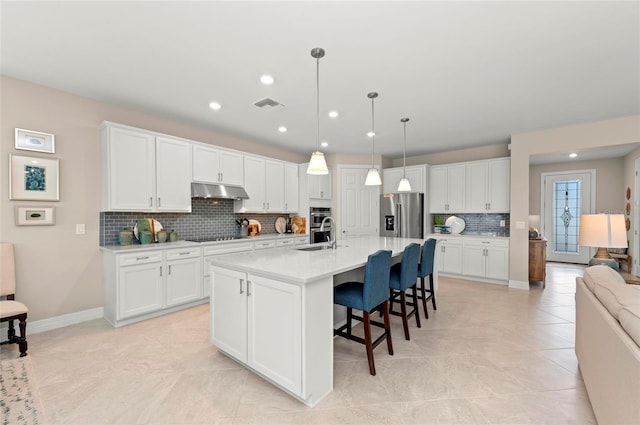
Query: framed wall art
pixel 33 179
pixel 35 216
pixel 37 141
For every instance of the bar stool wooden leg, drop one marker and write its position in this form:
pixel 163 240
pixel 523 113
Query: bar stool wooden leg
pixel 403 308
pixel 415 304
pixel 387 326
pixel 367 341
pixel 424 297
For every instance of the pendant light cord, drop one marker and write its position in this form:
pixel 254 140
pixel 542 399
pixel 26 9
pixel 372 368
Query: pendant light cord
pixel 404 149
pixel 318 102
pixel 373 131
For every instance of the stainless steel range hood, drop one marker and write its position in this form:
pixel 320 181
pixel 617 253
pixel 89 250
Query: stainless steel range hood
pixel 219 191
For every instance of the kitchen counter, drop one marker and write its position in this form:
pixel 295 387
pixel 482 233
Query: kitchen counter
pixel 289 264
pixel 465 235
pixel 272 310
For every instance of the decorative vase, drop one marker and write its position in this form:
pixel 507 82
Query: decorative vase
pixel 125 237
pixel 163 235
pixel 173 236
pixel 145 237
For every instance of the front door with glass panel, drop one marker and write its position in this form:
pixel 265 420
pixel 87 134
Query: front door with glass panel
pixel 566 197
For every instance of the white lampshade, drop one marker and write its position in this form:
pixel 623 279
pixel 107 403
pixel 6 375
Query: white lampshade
pixel 404 185
pixel 373 178
pixel 317 164
pixel 603 231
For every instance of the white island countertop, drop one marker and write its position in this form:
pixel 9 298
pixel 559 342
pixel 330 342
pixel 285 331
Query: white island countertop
pixel 289 264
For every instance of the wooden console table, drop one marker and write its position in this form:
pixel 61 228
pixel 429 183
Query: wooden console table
pixel 538 260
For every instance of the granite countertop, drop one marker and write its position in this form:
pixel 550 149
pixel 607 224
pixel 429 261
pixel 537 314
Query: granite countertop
pixel 289 264
pixel 465 235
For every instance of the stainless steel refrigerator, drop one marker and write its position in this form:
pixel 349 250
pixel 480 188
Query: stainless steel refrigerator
pixel 402 215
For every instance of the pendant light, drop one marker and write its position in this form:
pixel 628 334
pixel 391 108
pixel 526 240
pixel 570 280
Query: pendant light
pixel 317 164
pixel 404 185
pixel 373 177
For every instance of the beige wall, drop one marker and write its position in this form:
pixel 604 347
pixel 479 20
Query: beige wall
pixel 461 155
pixel 58 271
pixel 609 182
pixel 612 132
pixel 629 182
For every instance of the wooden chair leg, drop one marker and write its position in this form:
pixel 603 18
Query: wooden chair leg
pixel 433 293
pixel 424 297
pixel 387 326
pixel 415 304
pixel 367 341
pixel 22 340
pixel 349 314
pixel 403 308
pixel 11 334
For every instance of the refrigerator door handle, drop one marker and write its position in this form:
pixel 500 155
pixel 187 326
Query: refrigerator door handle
pixel 400 224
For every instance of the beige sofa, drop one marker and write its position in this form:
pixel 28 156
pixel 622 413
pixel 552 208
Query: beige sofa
pixel 608 344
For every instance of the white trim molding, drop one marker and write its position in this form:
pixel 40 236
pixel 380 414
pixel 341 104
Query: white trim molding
pixel 518 284
pixel 57 322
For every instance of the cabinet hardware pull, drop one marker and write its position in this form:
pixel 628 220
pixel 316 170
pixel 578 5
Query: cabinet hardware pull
pixel 241 282
pixel 160 270
pixel 248 288
pixel 150 201
pixel 221 176
pixel 158 201
pixel 142 258
pixel 169 268
pixel 267 205
pixel 184 253
pixel 321 194
pixel 286 206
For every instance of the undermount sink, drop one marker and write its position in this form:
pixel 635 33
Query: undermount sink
pixel 313 248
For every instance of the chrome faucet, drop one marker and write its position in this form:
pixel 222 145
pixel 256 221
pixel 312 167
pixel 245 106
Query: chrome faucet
pixel 330 239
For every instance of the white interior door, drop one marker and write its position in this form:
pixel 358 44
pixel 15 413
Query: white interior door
pixel 566 196
pixel 359 209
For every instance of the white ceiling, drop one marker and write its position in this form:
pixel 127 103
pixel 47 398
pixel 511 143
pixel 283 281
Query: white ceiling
pixel 466 73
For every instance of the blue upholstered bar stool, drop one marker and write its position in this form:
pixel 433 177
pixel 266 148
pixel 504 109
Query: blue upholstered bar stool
pixel 404 276
pixel 367 296
pixel 426 269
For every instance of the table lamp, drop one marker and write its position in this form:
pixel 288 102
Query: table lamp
pixel 603 231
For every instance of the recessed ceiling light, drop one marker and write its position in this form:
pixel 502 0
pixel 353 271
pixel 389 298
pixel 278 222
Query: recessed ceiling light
pixel 282 129
pixel 266 79
pixel 333 114
pixel 324 144
pixel 573 155
pixel 215 106
pixel 371 134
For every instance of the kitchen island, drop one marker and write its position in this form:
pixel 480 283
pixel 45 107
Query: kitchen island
pixel 272 310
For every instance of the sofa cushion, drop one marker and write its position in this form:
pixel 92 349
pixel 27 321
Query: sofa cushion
pixel 600 273
pixel 629 317
pixel 615 295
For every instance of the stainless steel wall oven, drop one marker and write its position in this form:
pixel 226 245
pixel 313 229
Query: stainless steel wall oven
pixel 316 216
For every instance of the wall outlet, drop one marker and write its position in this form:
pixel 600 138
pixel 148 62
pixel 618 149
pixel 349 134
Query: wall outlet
pixel 79 229
pixel 502 223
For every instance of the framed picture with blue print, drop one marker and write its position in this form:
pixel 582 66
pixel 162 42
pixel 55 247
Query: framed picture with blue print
pixel 33 178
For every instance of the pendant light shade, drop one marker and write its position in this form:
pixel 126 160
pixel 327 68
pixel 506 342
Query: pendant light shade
pixel 373 176
pixel 317 164
pixel 404 185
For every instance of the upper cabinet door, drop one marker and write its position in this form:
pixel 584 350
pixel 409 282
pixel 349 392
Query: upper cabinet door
pixel 499 191
pixel 488 185
pixel 291 200
pixel 438 189
pixel 128 164
pixel 319 186
pixel 173 175
pixel 232 168
pixel 456 188
pixel 275 186
pixel 254 184
pixel 477 187
pixel 390 179
pixel 206 164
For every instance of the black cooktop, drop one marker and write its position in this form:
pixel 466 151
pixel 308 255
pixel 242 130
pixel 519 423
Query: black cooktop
pixel 215 239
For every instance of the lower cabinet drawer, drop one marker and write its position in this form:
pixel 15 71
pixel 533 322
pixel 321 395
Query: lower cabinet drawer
pixel 265 244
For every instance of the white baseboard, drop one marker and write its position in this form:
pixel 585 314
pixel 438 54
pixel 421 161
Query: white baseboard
pixel 56 322
pixel 519 284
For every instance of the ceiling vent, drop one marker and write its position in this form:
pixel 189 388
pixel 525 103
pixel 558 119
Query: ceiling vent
pixel 269 104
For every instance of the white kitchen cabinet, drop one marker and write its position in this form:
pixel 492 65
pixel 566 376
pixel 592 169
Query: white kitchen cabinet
pixel 258 321
pixel 450 256
pixel 487 186
pixel 148 283
pixel 142 171
pixel 140 286
pixel 319 186
pixel 264 181
pixel 274 180
pixel 184 277
pixel 447 189
pixel 214 165
pixel 291 184
pixel 210 251
pixel 486 258
pixel 415 173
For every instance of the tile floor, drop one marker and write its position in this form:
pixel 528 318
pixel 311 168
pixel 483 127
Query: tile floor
pixel 489 354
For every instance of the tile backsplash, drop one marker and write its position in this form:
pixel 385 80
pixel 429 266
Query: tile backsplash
pixel 209 218
pixel 480 223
